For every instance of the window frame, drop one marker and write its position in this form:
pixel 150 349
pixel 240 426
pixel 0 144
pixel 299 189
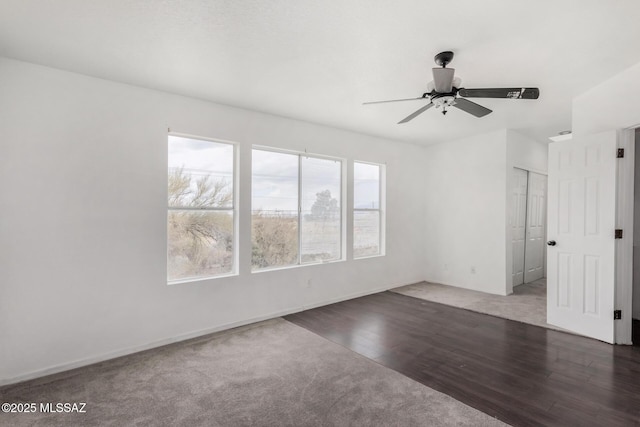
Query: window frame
pixel 233 209
pixel 343 207
pixel 381 209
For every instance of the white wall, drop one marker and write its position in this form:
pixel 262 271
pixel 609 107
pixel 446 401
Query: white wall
pixel 465 212
pixel 468 201
pixel 526 153
pixel 614 104
pixel 83 221
pixel 523 153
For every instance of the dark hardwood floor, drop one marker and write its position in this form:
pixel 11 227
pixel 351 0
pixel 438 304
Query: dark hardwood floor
pixel 521 374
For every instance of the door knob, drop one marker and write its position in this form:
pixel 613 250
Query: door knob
pixel 551 243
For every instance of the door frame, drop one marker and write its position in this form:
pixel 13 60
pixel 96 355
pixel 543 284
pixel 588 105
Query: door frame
pixel 624 246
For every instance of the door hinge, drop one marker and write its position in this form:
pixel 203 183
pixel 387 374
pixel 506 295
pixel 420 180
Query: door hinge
pixel 618 233
pixel 620 154
pixel 617 314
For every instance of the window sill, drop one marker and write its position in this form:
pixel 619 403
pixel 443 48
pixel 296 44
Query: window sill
pixel 369 256
pixel 200 279
pixel 289 267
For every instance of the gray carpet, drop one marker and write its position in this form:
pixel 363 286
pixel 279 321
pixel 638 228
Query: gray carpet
pixel 272 373
pixel 527 304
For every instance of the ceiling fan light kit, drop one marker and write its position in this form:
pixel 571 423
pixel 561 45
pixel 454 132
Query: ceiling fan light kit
pixel 445 91
pixel 443 101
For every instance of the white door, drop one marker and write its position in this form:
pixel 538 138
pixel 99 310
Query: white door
pixel 581 219
pixel 518 223
pixel 536 219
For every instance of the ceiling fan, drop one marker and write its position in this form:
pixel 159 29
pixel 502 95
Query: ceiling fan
pixel 445 91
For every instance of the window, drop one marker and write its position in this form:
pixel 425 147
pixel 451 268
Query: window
pixel 274 204
pixel 368 220
pixel 201 237
pixel 296 209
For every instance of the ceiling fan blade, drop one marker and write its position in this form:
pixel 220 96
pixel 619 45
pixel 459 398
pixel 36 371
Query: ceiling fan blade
pixel 471 107
pixel 443 79
pixel 513 93
pixel 416 113
pixel 393 100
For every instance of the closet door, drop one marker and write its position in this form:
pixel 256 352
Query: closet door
pixel 535 230
pixel 518 224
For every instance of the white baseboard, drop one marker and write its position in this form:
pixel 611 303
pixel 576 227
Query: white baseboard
pixel 183 337
pixel 437 282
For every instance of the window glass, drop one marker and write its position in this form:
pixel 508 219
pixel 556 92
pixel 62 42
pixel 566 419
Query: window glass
pixel 366 186
pixel 366 233
pixel 274 216
pixel 200 226
pixel 296 209
pixel 367 216
pixel 321 211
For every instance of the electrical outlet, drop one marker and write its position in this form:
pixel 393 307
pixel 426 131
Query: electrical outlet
pixel 473 269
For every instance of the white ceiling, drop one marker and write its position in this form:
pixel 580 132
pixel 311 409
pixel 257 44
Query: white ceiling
pixel 319 60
